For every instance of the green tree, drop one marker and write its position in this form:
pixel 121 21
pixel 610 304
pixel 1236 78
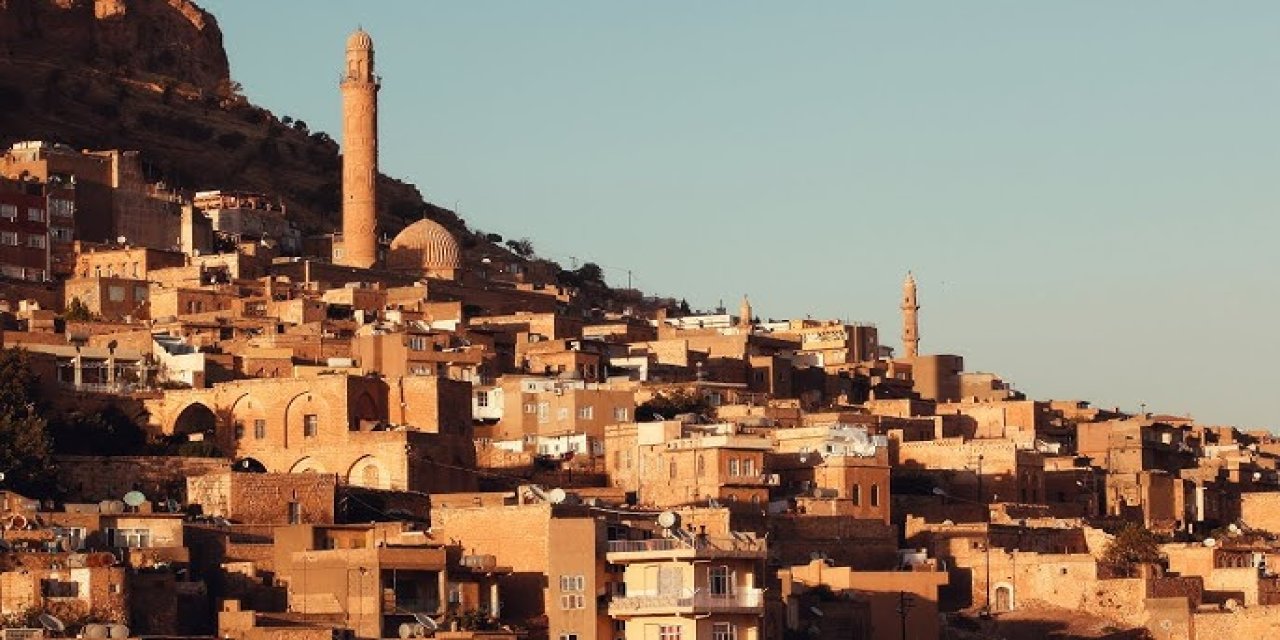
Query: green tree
pixel 77 311
pixel 110 432
pixel 24 441
pixel 666 407
pixel 522 247
pixel 1131 546
pixel 591 272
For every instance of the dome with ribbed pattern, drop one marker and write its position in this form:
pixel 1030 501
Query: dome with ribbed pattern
pixel 425 246
pixel 359 41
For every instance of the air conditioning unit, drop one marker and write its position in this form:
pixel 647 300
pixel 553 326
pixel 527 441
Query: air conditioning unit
pixel 772 479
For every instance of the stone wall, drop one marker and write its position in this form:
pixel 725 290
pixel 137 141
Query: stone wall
pixel 96 478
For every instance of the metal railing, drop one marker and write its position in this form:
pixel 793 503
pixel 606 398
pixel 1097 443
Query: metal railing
pixel 740 599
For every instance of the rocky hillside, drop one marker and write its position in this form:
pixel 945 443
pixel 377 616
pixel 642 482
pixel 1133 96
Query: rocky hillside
pixel 152 75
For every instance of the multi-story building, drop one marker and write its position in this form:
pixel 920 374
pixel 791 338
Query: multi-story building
pixel 689 586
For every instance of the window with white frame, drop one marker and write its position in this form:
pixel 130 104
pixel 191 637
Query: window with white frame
pixel 9 238
pixel 734 469
pixel 35 214
pixel 724 631
pixel 74 537
pixel 562 414
pixel 63 208
pixel 36 241
pixel 544 411
pixel 620 414
pixel 130 538
pixel 61 234
pixel 573 601
pixel 482 398
pixel 669 632
pixel 8 211
pixel 586 413
pixel 572 583
pixel 720 581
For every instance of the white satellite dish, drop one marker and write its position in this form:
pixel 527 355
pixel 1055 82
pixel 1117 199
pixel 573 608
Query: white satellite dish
pixel 135 499
pixel 51 623
pixel 557 496
pixel 95 631
pixel 426 622
pixel 407 630
pixel 1210 542
pixel 1233 528
pixel 668 520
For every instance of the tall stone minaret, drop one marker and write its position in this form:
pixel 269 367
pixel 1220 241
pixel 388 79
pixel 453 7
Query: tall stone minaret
pixel 910 318
pixel 744 313
pixel 359 154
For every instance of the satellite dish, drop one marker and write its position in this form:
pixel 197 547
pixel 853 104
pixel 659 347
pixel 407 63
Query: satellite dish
pixel 121 239
pixel 557 496
pixel 50 623
pixel 1210 542
pixel 407 630
pixel 668 519
pixel 135 499
pixel 426 621
pixel 117 631
pixel 1233 528
pixel 1 476
pixel 96 631
pixel 1257 475
pixel 172 505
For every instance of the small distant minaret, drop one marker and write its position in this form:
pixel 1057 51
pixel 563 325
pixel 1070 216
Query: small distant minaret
pixel 910 318
pixel 359 154
pixel 744 313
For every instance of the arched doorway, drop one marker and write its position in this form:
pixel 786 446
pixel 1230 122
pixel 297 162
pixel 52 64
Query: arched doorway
pixel 1003 598
pixel 196 418
pixel 367 472
pixel 307 465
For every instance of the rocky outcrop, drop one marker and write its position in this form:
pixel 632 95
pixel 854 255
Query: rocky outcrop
pixel 152 40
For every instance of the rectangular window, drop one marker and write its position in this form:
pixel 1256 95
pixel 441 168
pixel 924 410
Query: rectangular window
pixel 8 211
pixel 239 430
pixel 74 537
pixel 54 588
pixel 35 215
pixel 572 583
pixel 720 581
pixel 259 429
pixel 9 238
pixel 562 414
pixel 63 208
pixel 724 631
pixel 129 538
pixel 573 601
pixel 620 414
pixel 310 425
pixel 115 293
pixel 140 293
pixel 586 413
pixel 36 241
pixel 530 408
pixel 568 636
pixel 669 632
pixel 544 411
pixel 748 466
pixel 482 398
pixel 875 495
pixel 61 234
pixel 733 467
pixel 295 513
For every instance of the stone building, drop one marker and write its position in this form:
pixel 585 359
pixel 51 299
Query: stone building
pixel 401 433
pixel 359 247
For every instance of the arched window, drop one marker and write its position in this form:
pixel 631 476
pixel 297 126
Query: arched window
pixel 875 495
pixel 855 492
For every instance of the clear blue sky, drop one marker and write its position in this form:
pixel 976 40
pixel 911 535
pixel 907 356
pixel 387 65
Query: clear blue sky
pixel 1087 191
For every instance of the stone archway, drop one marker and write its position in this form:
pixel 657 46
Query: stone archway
pixel 368 472
pixel 307 465
pixel 195 418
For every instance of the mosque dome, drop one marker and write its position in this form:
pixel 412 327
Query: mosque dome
pixel 425 246
pixel 359 41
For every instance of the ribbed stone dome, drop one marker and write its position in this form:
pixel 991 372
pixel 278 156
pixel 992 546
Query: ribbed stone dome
pixel 360 41
pixel 424 246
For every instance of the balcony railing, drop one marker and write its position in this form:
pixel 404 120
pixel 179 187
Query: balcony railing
pixel 692 543
pixel 699 601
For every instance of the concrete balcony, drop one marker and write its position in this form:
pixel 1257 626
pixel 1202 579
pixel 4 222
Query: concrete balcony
pixel 686 547
pixel 749 601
